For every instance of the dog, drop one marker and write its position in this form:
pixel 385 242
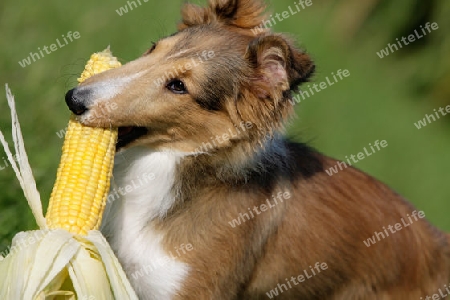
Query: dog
pixel 209 201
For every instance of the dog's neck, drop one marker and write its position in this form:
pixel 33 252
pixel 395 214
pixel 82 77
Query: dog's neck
pixel 150 183
pixel 236 164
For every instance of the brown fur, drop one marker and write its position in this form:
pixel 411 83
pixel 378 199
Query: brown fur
pixel 327 218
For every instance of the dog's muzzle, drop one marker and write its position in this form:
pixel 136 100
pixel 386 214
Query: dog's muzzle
pixel 75 100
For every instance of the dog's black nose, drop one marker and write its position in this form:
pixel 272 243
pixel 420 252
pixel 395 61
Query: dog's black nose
pixel 75 105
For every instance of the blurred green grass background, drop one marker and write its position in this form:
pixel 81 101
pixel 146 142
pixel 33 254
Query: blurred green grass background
pixel 381 99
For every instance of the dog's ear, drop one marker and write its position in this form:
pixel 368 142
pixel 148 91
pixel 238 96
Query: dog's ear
pixel 275 68
pixel 278 66
pixel 245 14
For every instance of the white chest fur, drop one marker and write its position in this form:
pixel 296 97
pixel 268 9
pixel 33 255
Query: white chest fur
pixel 141 190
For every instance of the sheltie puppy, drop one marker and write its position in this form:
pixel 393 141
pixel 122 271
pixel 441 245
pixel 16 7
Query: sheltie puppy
pixel 209 201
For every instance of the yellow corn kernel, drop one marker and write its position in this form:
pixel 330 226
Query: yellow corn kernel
pixel 83 178
pixel 99 62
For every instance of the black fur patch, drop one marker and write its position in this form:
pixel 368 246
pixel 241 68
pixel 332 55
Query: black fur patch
pixel 306 161
pixel 301 161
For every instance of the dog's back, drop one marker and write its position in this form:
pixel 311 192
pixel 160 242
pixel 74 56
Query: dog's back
pixel 375 245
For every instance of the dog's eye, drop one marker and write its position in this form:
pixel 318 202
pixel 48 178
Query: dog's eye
pixel 177 86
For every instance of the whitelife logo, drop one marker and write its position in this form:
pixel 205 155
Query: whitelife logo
pixel 356 158
pixel 405 41
pixel 431 118
pixel 130 4
pixel 49 49
pixel 21 243
pixel 442 294
pixel 393 229
pixel 135 184
pixel 310 90
pixel 271 21
pixel 5 164
pixel 224 138
pixel 262 208
pixel 318 267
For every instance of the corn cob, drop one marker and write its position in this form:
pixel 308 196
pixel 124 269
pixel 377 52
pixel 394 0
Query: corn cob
pixel 83 178
pixel 58 264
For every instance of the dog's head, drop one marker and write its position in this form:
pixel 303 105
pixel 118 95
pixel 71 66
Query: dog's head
pixel 203 82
